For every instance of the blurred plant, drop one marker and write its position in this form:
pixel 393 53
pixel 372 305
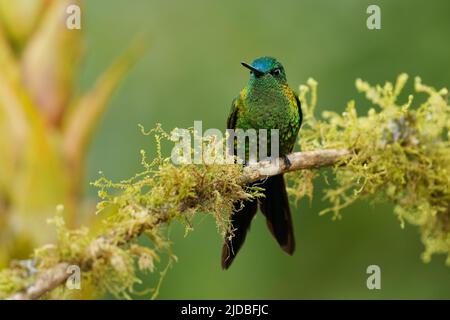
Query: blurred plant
pixel 44 129
pixel 397 153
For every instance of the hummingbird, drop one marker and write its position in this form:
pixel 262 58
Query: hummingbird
pixel 266 102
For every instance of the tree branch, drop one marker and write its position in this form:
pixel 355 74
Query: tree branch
pixel 297 160
pixel 47 281
pixel 57 275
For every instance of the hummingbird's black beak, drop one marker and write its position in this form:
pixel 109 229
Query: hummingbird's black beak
pixel 250 67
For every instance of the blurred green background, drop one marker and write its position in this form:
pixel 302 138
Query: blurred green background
pixel 192 72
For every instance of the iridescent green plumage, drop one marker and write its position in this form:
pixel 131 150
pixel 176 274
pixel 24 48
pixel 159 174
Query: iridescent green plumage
pixel 266 102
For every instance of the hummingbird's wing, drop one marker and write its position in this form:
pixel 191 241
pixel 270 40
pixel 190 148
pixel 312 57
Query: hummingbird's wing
pixel 243 213
pixel 231 124
pixel 300 113
pixel 231 121
pixel 294 99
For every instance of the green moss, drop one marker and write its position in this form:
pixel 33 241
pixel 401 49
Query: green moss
pixel 13 280
pixel 400 154
pixel 110 255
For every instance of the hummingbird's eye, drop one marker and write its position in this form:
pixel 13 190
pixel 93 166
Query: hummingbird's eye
pixel 276 72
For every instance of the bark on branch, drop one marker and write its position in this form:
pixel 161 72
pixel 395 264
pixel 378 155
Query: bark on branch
pixel 47 281
pixel 297 160
pixel 57 275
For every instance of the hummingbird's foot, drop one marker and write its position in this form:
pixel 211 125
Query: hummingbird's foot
pixel 287 162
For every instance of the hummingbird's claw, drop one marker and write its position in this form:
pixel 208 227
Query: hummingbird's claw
pixel 287 162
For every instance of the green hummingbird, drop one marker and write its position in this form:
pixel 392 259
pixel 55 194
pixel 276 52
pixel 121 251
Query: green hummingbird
pixel 266 102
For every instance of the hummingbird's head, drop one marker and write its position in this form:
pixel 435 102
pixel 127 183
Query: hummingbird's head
pixel 266 67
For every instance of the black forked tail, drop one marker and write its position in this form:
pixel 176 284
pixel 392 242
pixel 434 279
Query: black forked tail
pixel 240 223
pixel 275 207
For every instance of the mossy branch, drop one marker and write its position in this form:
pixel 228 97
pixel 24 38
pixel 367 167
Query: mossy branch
pixel 47 281
pixel 398 154
pixel 57 275
pixel 297 161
